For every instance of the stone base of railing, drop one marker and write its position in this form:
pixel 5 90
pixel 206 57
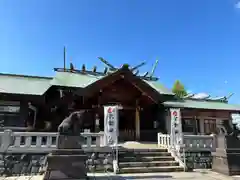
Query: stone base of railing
pixel 66 164
pixel 227 156
pixel 68 161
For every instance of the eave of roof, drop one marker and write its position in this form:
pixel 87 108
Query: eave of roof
pixel 22 84
pixel 196 104
pixel 67 79
pixel 159 87
pixel 37 85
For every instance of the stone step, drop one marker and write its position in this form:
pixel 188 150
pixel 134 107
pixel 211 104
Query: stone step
pixel 146 159
pixel 121 149
pixel 151 169
pixel 140 154
pixel 67 151
pixel 148 164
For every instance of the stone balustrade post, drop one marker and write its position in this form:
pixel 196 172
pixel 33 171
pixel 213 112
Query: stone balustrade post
pixel 102 139
pixel 6 140
pixel 214 142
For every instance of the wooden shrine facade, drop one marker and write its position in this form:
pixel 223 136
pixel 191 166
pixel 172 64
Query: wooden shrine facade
pixel 41 103
pixel 140 105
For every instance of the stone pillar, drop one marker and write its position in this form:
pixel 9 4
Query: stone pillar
pixel 6 140
pixel 227 156
pixel 68 161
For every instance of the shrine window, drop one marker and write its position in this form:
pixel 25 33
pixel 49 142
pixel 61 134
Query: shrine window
pixel 210 126
pixel 9 113
pixel 190 125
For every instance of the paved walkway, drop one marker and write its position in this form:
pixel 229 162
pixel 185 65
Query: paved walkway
pixel 197 175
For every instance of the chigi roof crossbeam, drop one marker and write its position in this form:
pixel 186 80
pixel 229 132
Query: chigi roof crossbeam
pixel 207 97
pixel 109 68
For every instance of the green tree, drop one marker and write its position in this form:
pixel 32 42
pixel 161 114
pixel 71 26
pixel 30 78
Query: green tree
pixel 179 89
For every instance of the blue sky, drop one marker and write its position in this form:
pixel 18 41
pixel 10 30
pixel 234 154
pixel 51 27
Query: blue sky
pixel 196 42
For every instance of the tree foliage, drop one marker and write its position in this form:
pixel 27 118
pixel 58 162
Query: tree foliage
pixel 179 89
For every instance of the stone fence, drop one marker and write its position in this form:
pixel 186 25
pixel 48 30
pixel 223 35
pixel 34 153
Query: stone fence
pixel 190 142
pixel 40 142
pixel 195 152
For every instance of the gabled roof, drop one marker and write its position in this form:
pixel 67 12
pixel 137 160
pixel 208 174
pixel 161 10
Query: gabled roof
pixel 79 80
pixel 37 85
pixel 159 87
pixel 21 84
pixel 68 79
pixel 150 89
pixel 202 104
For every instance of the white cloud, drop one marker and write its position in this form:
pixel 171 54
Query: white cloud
pixel 237 5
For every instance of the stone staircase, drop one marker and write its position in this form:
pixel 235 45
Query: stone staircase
pixel 147 160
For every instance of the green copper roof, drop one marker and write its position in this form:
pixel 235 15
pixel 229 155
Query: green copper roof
pixel 83 80
pixel 159 87
pixel 202 105
pixel 68 79
pixel 19 84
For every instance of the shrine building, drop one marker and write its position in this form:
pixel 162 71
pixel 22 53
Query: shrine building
pixel 34 103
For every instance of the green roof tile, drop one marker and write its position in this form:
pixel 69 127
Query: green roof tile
pixel 202 105
pixel 68 79
pixel 83 80
pixel 20 84
pixel 159 87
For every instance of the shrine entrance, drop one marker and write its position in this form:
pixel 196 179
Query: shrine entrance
pixel 132 95
pixel 126 124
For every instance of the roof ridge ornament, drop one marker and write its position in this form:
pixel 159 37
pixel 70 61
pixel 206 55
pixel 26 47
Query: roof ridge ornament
pixel 229 96
pixel 154 68
pixel 138 66
pixel 64 57
pixel 109 68
pixel 207 97
pixel 71 67
pixel 83 68
pixel 145 76
pixel 94 69
pixel 106 63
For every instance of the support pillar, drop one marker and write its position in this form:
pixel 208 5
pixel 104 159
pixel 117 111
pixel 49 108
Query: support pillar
pixel 137 122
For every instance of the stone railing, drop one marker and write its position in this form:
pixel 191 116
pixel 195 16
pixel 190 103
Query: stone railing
pixel 89 136
pixel 190 142
pixel 16 129
pixel 163 140
pixel 199 143
pixel 194 152
pixel 27 142
pixel 40 142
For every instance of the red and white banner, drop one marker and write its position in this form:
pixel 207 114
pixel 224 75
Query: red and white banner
pixel 176 127
pixel 111 125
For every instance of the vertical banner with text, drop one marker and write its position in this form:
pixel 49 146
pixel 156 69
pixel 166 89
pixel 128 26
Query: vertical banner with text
pixel 111 125
pixel 176 127
pixel 236 119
